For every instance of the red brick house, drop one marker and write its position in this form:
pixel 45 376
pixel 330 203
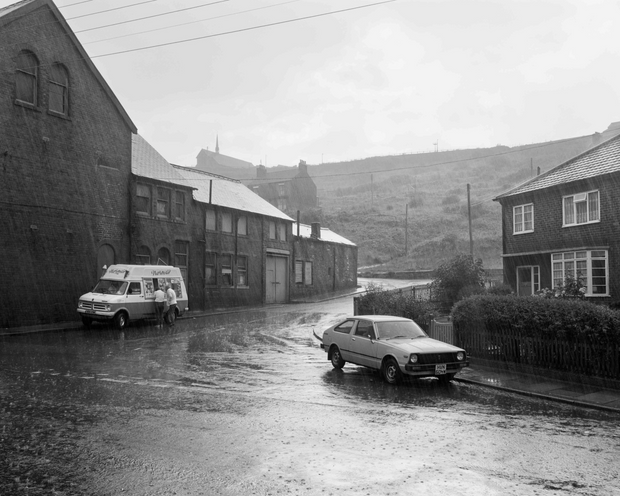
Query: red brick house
pixel 566 223
pixel 65 166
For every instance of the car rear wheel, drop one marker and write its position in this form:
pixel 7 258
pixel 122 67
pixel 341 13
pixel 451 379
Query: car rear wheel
pixel 120 321
pixel 336 358
pixel 391 371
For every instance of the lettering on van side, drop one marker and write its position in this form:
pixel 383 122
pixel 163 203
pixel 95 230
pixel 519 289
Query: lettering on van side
pixel 160 272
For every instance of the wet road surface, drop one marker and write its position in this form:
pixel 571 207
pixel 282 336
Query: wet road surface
pixel 247 403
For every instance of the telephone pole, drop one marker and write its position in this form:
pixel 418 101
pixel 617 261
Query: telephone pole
pixel 471 239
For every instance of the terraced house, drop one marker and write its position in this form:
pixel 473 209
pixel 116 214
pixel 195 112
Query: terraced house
pixel 565 223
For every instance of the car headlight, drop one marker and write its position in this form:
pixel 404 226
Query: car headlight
pixel 460 356
pixel 413 358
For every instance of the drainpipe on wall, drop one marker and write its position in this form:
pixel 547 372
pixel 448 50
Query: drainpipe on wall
pixel 298 221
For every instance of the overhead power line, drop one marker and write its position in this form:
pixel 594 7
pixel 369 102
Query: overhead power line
pixel 191 22
pixel 147 17
pixel 74 4
pixel 110 10
pixel 271 24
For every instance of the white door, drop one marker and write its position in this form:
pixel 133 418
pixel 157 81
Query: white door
pixel 276 287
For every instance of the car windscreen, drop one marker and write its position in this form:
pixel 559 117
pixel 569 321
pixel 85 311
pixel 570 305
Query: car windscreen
pixel 105 286
pixel 399 329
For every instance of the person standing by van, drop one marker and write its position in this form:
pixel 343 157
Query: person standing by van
pixel 160 300
pixel 171 297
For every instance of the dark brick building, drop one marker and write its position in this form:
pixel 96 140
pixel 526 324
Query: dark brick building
pixel 235 248
pixel 288 188
pixel 565 223
pixel 82 190
pixel 65 164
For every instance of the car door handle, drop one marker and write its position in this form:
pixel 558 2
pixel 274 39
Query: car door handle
pixel 352 339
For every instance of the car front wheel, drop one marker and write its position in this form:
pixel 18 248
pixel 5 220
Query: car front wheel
pixel 120 321
pixel 391 371
pixel 336 358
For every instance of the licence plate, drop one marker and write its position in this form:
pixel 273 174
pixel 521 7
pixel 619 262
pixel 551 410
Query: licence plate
pixel 89 311
pixel 440 369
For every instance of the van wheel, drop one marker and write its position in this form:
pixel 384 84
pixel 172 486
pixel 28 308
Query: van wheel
pixel 87 322
pixel 120 321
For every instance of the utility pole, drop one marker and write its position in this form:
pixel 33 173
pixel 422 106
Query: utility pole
pixel 471 239
pixel 406 228
pixel 372 193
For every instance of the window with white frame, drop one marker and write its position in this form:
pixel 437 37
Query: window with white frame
pixel 227 222
pixel 590 267
pixel 581 208
pixel 523 218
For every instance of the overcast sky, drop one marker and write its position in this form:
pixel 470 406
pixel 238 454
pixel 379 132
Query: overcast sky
pixel 405 76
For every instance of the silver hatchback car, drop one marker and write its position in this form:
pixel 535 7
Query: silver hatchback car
pixel 395 346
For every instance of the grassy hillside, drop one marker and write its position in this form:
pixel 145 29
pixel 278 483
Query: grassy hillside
pixel 367 201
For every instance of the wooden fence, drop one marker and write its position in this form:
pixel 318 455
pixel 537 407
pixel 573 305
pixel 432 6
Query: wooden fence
pixel 441 331
pixel 579 357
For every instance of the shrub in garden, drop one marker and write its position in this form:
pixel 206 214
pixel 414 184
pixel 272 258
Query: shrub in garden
pixel 452 277
pixel 377 301
pixel 564 319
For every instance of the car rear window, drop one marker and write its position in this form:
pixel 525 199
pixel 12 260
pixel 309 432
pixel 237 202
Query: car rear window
pixel 345 327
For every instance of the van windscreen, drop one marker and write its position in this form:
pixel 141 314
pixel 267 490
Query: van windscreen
pixel 105 286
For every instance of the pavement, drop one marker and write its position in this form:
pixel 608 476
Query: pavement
pixel 572 389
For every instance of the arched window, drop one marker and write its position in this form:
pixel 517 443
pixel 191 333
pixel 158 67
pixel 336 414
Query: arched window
pixel 26 78
pixel 163 256
pixel 143 257
pixel 106 256
pixel 59 89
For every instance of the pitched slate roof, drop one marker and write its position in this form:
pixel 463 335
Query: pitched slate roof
pixel 597 161
pixel 147 162
pixel 305 231
pixel 227 193
pixel 17 10
pixel 225 160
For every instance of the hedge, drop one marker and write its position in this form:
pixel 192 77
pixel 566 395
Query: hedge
pixel 572 320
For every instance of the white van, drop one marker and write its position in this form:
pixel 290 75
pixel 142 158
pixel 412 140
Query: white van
pixel 127 292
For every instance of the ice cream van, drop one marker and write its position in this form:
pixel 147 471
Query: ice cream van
pixel 127 293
